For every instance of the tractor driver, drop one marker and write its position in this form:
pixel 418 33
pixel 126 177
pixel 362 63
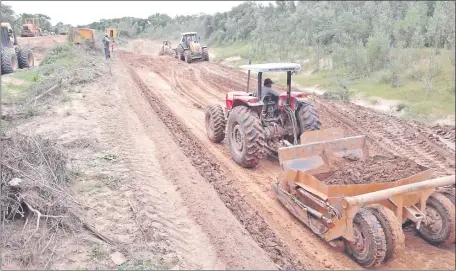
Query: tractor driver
pixel 267 90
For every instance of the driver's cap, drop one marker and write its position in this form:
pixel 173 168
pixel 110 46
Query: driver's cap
pixel 268 81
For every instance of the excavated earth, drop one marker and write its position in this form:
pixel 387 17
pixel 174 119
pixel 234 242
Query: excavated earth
pixel 376 169
pixel 179 93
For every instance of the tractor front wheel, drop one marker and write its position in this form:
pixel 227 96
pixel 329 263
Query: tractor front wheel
pixel 440 220
pixel 246 137
pixel 25 58
pixel 215 123
pixel 369 246
pixel 307 118
pixel 9 61
pixel 188 56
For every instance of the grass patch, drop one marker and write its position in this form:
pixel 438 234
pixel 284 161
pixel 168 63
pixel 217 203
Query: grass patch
pixel 143 265
pixel 223 52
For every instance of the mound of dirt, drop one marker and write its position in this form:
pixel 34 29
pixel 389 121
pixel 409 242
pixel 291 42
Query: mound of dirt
pixel 376 169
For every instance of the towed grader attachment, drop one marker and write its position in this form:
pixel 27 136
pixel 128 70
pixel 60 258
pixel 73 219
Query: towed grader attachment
pixel 368 217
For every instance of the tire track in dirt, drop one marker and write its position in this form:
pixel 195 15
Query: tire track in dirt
pixel 398 136
pixel 162 231
pixel 209 168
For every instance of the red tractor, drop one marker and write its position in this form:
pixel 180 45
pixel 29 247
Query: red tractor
pixel 256 125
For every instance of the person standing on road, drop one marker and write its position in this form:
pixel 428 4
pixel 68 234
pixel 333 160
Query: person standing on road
pixel 106 46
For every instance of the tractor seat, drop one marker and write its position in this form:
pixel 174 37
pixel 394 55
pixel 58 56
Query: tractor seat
pixel 270 98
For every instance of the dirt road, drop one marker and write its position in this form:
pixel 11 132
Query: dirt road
pixel 167 195
pixel 179 92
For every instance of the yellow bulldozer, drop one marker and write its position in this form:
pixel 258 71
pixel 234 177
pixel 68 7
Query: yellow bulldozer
pixel 13 56
pixel 30 28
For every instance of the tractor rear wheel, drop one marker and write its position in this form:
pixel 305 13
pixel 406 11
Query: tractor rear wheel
pixel 205 54
pixel 9 61
pixel 440 220
pixel 25 58
pixel 369 248
pixel 246 137
pixel 188 56
pixel 394 236
pixel 307 118
pixel 215 123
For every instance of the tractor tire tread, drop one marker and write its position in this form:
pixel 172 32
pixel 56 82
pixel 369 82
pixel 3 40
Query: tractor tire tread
pixel 446 209
pixel 377 252
pixel 254 134
pixel 187 56
pixel 394 236
pixel 205 54
pixel 6 64
pixel 22 58
pixel 307 117
pixel 216 113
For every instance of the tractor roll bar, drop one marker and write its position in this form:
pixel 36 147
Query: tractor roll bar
pixel 289 86
pixel 260 75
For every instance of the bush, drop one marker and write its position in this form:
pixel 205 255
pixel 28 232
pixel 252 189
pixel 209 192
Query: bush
pixel 58 52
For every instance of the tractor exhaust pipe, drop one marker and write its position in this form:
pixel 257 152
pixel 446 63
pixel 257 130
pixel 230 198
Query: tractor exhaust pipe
pixel 248 76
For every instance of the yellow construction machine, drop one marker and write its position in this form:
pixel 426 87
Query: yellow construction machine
pixel 13 56
pixel 84 36
pixel 190 48
pixel 30 28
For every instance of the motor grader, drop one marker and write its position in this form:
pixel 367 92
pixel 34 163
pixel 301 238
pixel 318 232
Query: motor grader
pixel 256 126
pixel 13 56
pixel 190 48
pixel 166 49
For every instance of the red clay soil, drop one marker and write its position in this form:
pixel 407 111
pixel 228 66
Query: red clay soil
pixel 376 169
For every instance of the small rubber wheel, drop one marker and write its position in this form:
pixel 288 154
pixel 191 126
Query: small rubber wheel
pixel 369 247
pixel 394 236
pixel 215 123
pixel 440 220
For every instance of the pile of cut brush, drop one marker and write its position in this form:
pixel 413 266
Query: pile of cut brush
pixel 36 205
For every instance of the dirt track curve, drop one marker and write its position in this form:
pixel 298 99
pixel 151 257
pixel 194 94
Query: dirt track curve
pixel 179 93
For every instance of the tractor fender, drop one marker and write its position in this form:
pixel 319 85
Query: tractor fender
pixel 248 101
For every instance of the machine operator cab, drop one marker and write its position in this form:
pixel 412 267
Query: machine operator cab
pixel 271 102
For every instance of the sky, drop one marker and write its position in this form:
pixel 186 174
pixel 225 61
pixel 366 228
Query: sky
pixel 85 12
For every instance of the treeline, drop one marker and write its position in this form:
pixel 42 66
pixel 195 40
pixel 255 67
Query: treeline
pixel 361 35
pixel 17 20
pixel 407 24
